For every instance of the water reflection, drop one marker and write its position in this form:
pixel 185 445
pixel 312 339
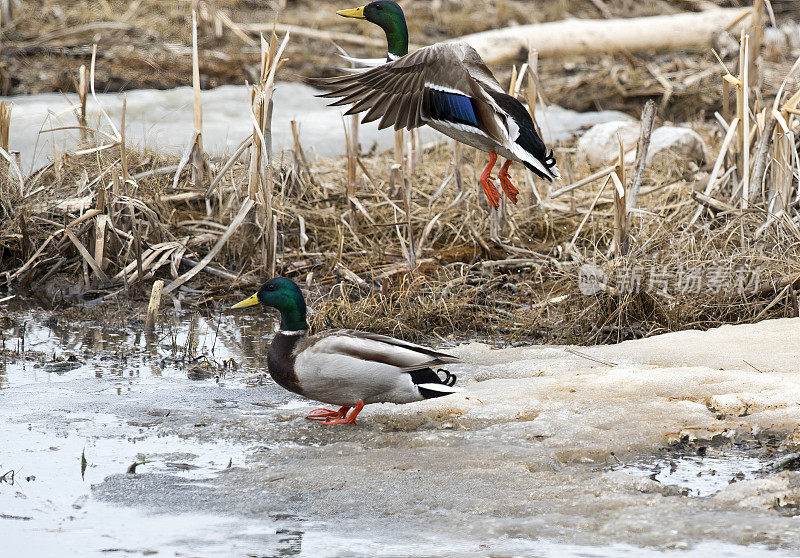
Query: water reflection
pixel 200 348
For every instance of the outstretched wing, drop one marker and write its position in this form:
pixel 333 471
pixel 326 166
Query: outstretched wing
pixel 442 82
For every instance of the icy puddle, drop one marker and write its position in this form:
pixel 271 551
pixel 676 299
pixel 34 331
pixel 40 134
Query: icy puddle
pixel 702 474
pixel 596 452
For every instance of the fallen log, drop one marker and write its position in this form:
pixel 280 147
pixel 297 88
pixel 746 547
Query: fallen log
pixel 694 30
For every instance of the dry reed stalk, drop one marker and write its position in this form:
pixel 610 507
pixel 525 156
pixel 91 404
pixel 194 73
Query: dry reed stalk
pixel 5 129
pixel 413 151
pixel 647 122
pixel 5 124
pixel 399 155
pixel 247 143
pixel 745 91
pixel 737 81
pixel 6 12
pixel 726 100
pixel 100 224
pixel 260 178
pixel 88 258
pixel 350 154
pixel 83 93
pixel 757 37
pixel 782 167
pixel 154 305
pixel 584 181
pixel 620 205
pixel 200 165
pixel 123 154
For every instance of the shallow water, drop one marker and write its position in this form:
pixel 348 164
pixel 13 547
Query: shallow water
pixel 232 467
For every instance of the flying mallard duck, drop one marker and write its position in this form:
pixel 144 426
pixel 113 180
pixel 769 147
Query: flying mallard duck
pixel 345 367
pixel 448 87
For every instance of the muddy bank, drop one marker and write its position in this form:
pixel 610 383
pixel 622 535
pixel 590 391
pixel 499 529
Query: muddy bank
pixel 546 451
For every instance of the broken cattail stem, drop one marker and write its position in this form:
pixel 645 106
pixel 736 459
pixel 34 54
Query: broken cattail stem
pixel 737 146
pixel 355 125
pixel 272 247
pixel 757 34
pixel 532 96
pixel 620 206
pixel 100 228
pixel 83 93
pixel 260 172
pixel 126 177
pixel 6 13
pixel 648 119
pixel 154 305
pixel 781 188
pixel 199 159
pixel 399 156
pixel 413 152
pixel 5 131
pixel 745 138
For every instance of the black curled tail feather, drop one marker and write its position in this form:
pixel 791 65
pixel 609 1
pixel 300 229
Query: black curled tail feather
pixel 549 161
pixel 449 379
pixel 431 378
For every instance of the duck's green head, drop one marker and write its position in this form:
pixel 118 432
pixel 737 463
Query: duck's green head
pixel 286 297
pixel 389 17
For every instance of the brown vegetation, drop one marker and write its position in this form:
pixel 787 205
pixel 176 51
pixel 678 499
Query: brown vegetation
pixel 437 262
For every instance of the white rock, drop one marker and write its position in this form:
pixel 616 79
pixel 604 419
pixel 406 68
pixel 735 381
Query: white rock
pixel 681 143
pixel 599 147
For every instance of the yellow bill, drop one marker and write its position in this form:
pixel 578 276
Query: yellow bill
pixel 252 301
pixel 357 13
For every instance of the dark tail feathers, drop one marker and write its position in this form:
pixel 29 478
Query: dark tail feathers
pixel 426 376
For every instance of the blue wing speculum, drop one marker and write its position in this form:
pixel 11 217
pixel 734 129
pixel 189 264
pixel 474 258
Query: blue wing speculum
pixel 452 107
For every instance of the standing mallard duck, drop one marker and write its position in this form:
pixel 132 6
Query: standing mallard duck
pixel 448 87
pixel 345 367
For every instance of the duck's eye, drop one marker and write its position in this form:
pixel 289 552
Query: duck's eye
pixel 379 7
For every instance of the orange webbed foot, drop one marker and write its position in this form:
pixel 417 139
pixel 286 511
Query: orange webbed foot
pixel 492 193
pixel 328 414
pixel 350 419
pixel 505 181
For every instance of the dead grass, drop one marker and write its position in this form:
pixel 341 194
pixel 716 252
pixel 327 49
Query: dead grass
pixel 521 285
pixel 507 277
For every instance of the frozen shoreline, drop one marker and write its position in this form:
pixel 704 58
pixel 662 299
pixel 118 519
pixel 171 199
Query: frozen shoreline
pixel 520 462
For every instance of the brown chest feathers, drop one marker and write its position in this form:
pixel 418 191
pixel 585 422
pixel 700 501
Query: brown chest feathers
pixel 280 360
